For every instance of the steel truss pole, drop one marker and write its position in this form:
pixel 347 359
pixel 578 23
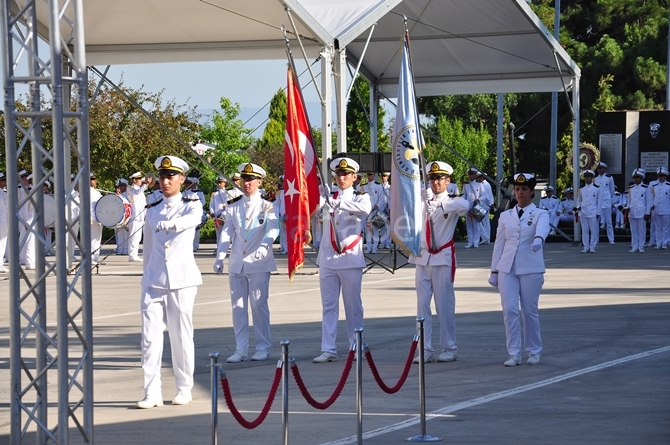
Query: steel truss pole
pixel 40 354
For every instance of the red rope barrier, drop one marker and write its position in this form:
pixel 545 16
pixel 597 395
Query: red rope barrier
pixel 338 390
pixel 266 409
pixel 403 376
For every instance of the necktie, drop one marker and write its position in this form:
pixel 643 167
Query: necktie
pixel 520 213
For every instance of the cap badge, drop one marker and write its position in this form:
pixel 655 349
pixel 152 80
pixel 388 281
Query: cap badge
pixel 434 167
pixel 521 178
pixel 248 168
pixel 166 163
pixel 343 164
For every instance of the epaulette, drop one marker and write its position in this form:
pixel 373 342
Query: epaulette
pixel 155 203
pixel 268 198
pixel 554 196
pixel 596 186
pixel 187 199
pixel 631 186
pixel 378 183
pixel 235 199
pixel 359 193
pixel 644 185
pixel 564 199
pixel 608 175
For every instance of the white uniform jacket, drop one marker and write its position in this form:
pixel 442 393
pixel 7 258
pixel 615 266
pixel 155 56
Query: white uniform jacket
pixel 250 222
pixel 168 255
pixel 566 206
pixel 4 222
pixel 550 204
pixel 589 201
pixel 351 211
pixel 136 197
pixel 606 184
pixel 639 200
pixel 95 197
pixel 376 193
pixel 660 194
pixel 486 197
pixel 218 203
pixel 473 191
pixel 514 239
pixel 447 210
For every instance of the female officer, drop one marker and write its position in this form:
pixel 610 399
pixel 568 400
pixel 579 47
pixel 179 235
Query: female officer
pixel 517 269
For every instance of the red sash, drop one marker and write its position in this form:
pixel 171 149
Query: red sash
pixel 441 248
pixel 332 235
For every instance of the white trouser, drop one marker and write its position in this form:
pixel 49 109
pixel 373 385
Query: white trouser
pixel 72 241
pixel 472 226
pixel 371 236
pixel 251 289
pixel 590 231
pixel 436 281
pixel 524 291
pixel 606 218
pixel 386 235
pixel 565 218
pixel 485 228
pixel 619 218
pixel 196 240
pixel 3 244
pixel 350 282
pixel 96 236
pixel 27 252
pixel 638 232
pixel 652 231
pixel 317 232
pixel 662 227
pixel 122 240
pixel 171 308
pixel 134 237
pixel 282 236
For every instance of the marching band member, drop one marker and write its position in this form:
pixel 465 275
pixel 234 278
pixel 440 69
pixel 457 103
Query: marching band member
pixel 217 205
pixel 27 214
pixel 376 193
pixel 122 232
pixel 4 222
pixel 169 284
pixel 473 192
pixel 661 206
pixel 74 219
pixel 281 216
pixel 340 259
pixel 639 210
pixel 487 201
pixel 251 228
pixel 566 208
pixel 436 264
pixel 652 222
pixel 589 206
pixel 137 199
pixel 386 230
pixel 517 270
pixel 191 190
pixel 234 192
pixel 551 204
pixel 617 206
pixel 96 227
pixel 607 190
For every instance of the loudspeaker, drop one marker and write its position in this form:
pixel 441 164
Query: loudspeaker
pixel 367 162
pixel 386 162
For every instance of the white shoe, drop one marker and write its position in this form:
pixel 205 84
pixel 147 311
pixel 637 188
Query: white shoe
pixel 325 357
pixel 513 360
pixel 183 397
pixel 3 269
pixel 368 250
pixel 134 259
pixel 632 251
pixel 585 250
pixel 553 232
pixel 259 356
pixel 149 402
pixel 374 250
pixel 641 250
pixel 427 358
pixel 467 246
pixel 239 356
pixel 612 243
pixel 664 247
pixel 533 359
pixel 447 357
pixel 592 250
pixel 475 247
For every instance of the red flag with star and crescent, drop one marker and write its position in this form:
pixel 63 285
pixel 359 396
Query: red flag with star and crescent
pixel 301 184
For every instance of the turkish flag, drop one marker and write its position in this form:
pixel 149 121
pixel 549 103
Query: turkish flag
pixel 301 184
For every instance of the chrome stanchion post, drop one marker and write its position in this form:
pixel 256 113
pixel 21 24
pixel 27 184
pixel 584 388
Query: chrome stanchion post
pixel 359 384
pixel 423 437
pixel 284 406
pixel 213 363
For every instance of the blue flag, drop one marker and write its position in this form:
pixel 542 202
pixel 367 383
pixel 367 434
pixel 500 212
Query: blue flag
pixel 407 144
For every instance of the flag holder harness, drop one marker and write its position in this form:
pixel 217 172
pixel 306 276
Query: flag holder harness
pixel 281 376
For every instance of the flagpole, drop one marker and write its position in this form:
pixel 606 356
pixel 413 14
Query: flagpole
pixel 289 56
pixel 420 140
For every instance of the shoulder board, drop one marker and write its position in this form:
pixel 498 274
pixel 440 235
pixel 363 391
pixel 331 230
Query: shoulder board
pixel 555 197
pixel 190 199
pixel 359 193
pixel 608 175
pixel 148 206
pixel 231 201
pixel 644 185
pixel 617 193
pixel 631 186
pixel 455 196
pixel 596 186
pixel 268 198
pixel 564 199
pixel 378 183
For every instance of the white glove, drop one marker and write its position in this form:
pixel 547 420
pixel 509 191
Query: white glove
pixel 537 244
pixel 427 194
pixel 430 207
pixel 261 252
pixel 218 266
pixel 164 226
pixel 325 191
pixel 493 279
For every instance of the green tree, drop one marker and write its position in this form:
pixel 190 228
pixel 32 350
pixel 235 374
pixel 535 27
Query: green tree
pixel 232 141
pixel 358 124
pixel 269 151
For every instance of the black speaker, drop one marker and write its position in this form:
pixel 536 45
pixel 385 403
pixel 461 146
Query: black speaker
pixel 386 162
pixel 367 162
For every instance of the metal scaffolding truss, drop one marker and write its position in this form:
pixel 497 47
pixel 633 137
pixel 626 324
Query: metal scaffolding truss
pixel 51 360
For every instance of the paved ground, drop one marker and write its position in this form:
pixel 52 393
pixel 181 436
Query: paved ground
pixel 604 377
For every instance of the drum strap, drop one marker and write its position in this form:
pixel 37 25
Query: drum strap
pixel 450 244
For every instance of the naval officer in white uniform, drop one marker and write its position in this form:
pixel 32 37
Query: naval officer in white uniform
pixel 517 270
pixel 340 257
pixel 169 284
pixel 251 228
pixel 436 264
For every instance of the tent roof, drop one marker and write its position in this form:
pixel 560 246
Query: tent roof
pixel 458 46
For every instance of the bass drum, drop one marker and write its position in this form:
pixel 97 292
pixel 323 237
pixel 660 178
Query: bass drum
pixel 49 211
pixel 111 211
pixel 379 220
pixel 478 212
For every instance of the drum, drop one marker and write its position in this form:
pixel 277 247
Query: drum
pixel 111 211
pixel 49 211
pixel 379 220
pixel 478 212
